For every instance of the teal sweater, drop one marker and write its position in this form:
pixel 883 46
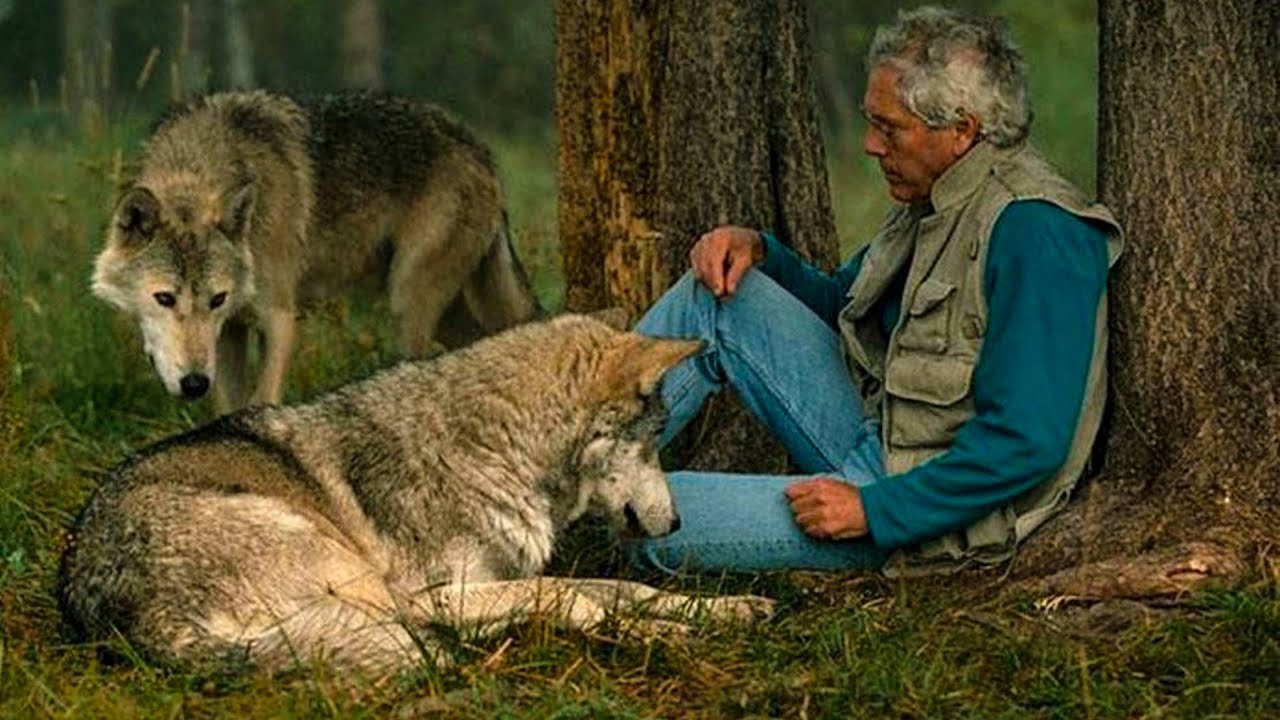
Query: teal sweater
pixel 1046 270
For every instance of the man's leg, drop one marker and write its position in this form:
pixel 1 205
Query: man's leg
pixel 742 523
pixel 787 366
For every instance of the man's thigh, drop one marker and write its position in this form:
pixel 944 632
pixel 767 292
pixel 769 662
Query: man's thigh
pixel 783 360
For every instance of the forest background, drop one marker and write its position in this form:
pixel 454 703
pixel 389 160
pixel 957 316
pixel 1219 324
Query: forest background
pixel 79 82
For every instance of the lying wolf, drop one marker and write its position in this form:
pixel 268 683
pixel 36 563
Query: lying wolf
pixel 249 206
pixel 430 493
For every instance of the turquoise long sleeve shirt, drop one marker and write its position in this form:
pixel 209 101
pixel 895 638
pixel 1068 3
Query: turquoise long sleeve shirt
pixel 1046 270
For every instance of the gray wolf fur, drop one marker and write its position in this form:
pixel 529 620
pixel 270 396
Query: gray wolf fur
pixel 249 206
pixel 431 493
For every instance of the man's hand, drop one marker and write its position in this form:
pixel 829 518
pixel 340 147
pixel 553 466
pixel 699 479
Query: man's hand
pixel 827 509
pixel 721 257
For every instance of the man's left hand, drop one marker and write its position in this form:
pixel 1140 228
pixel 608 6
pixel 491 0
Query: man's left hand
pixel 827 509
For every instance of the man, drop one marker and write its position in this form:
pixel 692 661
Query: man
pixel 943 388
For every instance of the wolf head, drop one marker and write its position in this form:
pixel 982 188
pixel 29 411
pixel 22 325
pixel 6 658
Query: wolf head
pixel 618 467
pixel 181 268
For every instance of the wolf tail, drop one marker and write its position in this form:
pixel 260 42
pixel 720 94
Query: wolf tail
pixel 498 294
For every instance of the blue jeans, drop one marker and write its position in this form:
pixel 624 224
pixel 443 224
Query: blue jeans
pixel 786 365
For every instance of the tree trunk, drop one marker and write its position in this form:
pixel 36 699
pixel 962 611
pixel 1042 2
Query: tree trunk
pixel 362 46
pixel 1189 156
pixel 675 117
pixel 238 45
pixel 189 73
pixel 86 55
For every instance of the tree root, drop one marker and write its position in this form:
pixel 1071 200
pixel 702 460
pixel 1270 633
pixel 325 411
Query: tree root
pixel 1160 575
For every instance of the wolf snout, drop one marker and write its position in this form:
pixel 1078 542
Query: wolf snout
pixel 636 528
pixel 194 385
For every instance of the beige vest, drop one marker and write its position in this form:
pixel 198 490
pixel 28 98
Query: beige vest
pixel 918 379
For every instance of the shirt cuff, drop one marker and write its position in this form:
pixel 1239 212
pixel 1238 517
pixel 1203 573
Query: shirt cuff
pixel 879 523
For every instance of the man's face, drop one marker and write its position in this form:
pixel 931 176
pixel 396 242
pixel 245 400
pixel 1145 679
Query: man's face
pixel 911 154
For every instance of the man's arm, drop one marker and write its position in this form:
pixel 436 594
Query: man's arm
pixel 823 293
pixel 723 255
pixel 1046 271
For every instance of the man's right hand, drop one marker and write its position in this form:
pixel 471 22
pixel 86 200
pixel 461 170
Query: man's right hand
pixel 721 257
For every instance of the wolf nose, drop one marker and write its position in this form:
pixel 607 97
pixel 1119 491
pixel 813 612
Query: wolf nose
pixel 194 385
pixel 675 523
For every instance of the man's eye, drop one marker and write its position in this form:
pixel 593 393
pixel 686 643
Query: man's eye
pixel 165 299
pixel 216 301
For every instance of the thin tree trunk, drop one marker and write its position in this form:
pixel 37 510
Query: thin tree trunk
pixel 1189 157
pixel 674 117
pixel 86 55
pixel 362 45
pixel 239 45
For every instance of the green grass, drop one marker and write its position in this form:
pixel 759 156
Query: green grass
pixel 77 395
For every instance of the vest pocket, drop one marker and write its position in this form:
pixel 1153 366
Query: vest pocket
pixel 925 327
pixel 930 395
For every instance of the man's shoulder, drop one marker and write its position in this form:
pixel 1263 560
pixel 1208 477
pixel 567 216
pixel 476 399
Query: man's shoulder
pixel 1026 174
pixel 1039 234
pixel 1025 189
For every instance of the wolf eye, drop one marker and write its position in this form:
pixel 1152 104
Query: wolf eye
pixel 165 299
pixel 216 301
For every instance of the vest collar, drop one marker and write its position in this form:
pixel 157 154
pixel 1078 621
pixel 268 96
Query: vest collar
pixel 959 181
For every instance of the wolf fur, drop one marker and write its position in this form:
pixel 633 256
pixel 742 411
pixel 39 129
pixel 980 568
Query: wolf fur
pixel 249 206
pixel 432 493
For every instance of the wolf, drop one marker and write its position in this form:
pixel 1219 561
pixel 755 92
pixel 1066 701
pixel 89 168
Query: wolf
pixel 248 206
pixel 429 495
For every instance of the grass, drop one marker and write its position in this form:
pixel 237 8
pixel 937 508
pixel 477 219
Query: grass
pixel 77 395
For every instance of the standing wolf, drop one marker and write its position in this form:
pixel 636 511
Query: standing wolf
pixel 430 493
pixel 248 206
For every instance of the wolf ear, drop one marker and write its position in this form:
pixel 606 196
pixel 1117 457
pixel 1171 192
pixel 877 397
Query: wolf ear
pixel 641 362
pixel 137 215
pixel 237 209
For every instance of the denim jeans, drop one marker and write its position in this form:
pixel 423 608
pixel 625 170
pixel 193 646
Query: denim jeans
pixel 786 365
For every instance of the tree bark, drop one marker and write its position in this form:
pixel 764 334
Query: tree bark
pixel 1189 157
pixel 362 46
pixel 674 117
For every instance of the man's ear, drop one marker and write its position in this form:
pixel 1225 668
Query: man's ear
pixel 636 363
pixel 137 216
pixel 237 211
pixel 965 134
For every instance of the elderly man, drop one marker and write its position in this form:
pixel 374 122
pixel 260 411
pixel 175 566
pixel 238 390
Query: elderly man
pixel 942 389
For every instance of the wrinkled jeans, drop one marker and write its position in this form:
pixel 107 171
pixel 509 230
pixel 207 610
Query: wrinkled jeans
pixel 786 365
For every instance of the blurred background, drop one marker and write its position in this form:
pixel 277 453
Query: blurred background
pixel 81 65
pixel 80 81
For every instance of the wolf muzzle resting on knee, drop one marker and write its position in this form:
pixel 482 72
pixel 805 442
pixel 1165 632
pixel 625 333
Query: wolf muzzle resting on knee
pixel 346 529
pixel 249 206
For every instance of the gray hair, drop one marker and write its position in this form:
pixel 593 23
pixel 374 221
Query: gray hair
pixel 955 64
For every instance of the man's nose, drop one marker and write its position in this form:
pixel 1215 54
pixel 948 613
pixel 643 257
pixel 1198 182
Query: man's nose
pixel 872 143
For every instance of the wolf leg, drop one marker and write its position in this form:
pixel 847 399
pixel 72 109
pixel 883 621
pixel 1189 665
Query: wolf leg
pixel 432 257
pixel 229 385
pixel 498 293
pixel 580 604
pixel 635 597
pixel 279 328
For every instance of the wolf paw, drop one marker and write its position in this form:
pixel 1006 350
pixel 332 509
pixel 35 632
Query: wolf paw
pixel 742 607
pixel 650 628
